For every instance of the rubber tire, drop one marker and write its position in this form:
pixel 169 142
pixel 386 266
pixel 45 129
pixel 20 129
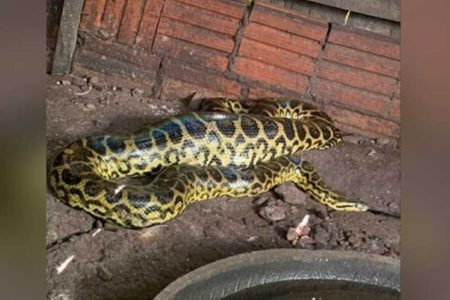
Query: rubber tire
pixel 231 275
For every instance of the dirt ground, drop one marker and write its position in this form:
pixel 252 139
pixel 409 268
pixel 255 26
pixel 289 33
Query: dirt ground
pixel 113 263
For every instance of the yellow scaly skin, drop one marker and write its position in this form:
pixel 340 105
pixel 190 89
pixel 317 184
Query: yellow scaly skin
pixel 224 150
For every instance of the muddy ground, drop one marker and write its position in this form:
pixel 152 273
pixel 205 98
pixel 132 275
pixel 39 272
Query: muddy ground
pixel 113 263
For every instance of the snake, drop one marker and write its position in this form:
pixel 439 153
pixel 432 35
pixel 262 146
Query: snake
pixel 227 148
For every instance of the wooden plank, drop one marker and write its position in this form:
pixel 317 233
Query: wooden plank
pixel 385 9
pixel 67 36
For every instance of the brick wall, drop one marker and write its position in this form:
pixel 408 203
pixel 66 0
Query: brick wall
pixel 223 48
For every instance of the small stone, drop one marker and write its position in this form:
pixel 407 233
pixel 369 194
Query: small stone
pixel 252 239
pixel 372 153
pixel 65 82
pixel 78 81
pixel 93 80
pixel 103 34
pixel 263 198
pixel 58 82
pixel 384 141
pixel 98 87
pixel 374 247
pixel 104 273
pixel 136 92
pixel 60 296
pixel 354 139
pixel 272 213
pixel 89 107
pixel 289 193
pixel 354 241
pixel 393 206
pixel 306 242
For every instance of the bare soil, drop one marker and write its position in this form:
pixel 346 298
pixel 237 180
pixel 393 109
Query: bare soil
pixel 114 263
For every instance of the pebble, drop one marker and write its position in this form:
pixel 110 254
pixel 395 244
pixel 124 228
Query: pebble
pixel 272 213
pixel 306 242
pixel 104 273
pixel 93 80
pixel 354 139
pixel 136 92
pixel 89 107
pixel 78 81
pixel 289 193
pixel 60 296
pixel 393 206
pixel 384 141
pixel 65 82
pixel 104 34
pixel 252 239
pixel 263 199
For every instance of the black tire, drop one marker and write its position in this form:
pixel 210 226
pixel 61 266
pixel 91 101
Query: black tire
pixel 232 276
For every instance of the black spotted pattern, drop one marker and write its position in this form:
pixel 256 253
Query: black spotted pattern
pixel 160 139
pixel 226 127
pixel 115 144
pixel 301 131
pixel 173 130
pixel 113 197
pixel 249 126
pixel 315 133
pixel 288 129
pixel 91 188
pixel 229 174
pixel 96 143
pixel 270 128
pixel 70 178
pixel 164 197
pixel 138 200
pixel 194 127
pixel 215 175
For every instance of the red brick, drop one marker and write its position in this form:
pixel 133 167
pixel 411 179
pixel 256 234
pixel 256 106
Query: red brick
pixel 91 16
pixel 192 53
pixel 130 22
pixel 149 22
pixel 256 70
pixel 362 60
pixel 122 53
pixel 176 70
pixel 200 17
pixel 372 44
pixel 351 97
pixel 225 7
pixel 276 56
pixel 195 35
pixel 356 78
pixel 395 110
pixel 175 89
pixel 257 93
pixel 273 17
pixel 112 16
pixel 282 39
pixel 397 90
pixel 363 122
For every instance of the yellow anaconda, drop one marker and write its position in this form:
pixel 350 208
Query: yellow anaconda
pixel 225 149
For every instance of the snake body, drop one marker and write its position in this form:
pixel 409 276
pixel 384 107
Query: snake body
pixel 225 149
